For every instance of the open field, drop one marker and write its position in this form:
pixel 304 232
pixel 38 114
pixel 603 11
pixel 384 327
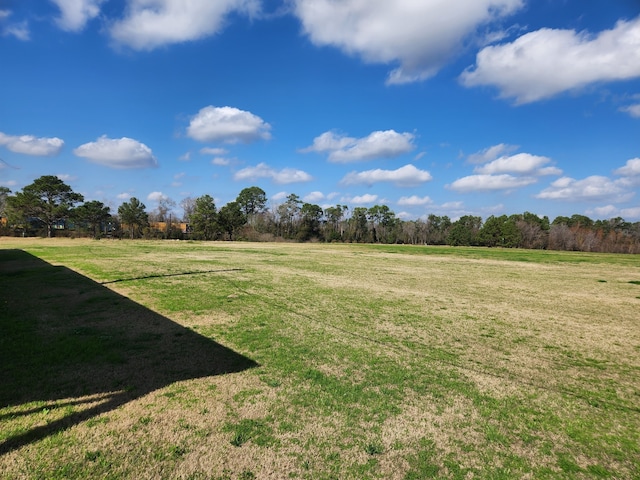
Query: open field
pixel 241 360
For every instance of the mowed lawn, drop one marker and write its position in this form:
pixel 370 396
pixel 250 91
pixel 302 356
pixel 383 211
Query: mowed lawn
pixel 196 360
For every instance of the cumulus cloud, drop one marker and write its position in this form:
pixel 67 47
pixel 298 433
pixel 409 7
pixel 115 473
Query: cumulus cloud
pixel 364 199
pixel 521 163
pixel 279 196
pixel 414 201
pixel 419 36
pixel 74 14
pixel 117 153
pixel 407 176
pixel 592 189
pixel 156 196
pixel 496 170
pixel 547 62
pixel 31 145
pixel 611 211
pixel 262 170
pixel 631 212
pixel 149 24
pixel 633 110
pixel 378 144
pixel 228 125
pixel 313 197
pixel 631 168
pixel 485 182
pixel 607 211
pixel 492 153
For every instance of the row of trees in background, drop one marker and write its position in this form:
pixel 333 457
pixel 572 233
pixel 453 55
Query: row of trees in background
pixel 48 206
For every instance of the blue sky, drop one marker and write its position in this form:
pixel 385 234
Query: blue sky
pixel 478 107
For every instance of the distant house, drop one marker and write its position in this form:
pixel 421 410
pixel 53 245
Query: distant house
pixel 162 226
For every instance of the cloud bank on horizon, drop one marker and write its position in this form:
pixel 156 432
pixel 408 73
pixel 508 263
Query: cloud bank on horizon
pixel 491 69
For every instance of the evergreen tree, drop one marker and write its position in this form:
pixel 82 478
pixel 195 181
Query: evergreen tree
pixel 134 215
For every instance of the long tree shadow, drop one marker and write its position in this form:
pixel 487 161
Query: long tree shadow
pixel 69 341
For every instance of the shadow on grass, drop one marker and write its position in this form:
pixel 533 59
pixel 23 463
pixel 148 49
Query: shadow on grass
pixel 67 341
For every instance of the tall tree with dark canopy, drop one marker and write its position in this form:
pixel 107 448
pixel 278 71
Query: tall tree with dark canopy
pixel 231 217
pixel 133 214
pixel 204 218
pixel 4 194
pixel 92 213
pixel 311 217
pixel 48 200
pixel 252 200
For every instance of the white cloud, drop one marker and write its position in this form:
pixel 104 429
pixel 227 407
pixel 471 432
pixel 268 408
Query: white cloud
pixel 149 24
pixel 156 196
pixel 454 210
pixel 492 153
pixel 378 144
pixel 547 62
pixel 479 183
pixel 631 168
pixel 630 213
pixel 593 188
pixel 313 197
pixel 30 145
pixel 262 170
pixel 213 151
pixel 407 176
pixel 185 157
pixel 123 196
pixel 546 171
pixel 607 211
pixel 611 211
pixel 364 199
pixel 521 163
pixel 220 161
pixel 279 196
pixel 452 205
pixel 633 110
pixel 496 170
pixel 117 153
pixel 19 30
pixel 227 124
pixel 74 14
pixel 414 200
pixel 329 141
pixel 420 36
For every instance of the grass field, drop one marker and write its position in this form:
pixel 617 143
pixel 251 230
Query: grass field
pixel 248 361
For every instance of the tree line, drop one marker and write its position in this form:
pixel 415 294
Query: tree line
pixel 49 207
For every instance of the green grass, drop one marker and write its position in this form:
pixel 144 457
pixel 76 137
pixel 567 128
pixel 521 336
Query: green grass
pixel 231 360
